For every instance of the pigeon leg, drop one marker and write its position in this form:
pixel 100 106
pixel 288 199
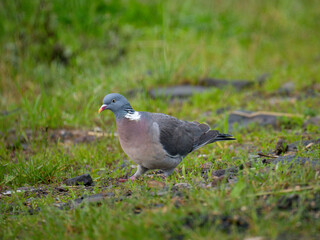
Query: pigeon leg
pixel 141 170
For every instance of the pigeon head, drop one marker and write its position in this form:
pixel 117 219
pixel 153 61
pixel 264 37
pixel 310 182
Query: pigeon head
pixel 117 103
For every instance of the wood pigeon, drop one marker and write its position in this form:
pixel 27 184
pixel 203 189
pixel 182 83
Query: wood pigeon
pixel 156 140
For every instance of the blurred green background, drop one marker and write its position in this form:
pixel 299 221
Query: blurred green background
pixel 59 58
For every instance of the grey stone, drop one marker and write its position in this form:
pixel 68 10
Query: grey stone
pixel 90 199
pixel 244 118
pixel 84 179
pixel 237 84
pixel 182 91
pixel 293 160
pixel 222 172
pixel 287 88
pixel 312 121
pixel 221 83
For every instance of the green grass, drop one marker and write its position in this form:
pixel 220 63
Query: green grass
pixel 60 58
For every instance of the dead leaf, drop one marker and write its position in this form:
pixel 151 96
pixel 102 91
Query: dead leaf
pixel 255 238
pixel 309 145
pixel 155 184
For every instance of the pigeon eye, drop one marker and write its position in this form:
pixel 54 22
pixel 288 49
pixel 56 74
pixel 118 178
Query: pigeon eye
pixel 113 100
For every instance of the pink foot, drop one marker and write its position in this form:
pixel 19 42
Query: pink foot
pixel 122 180
pixel 132 178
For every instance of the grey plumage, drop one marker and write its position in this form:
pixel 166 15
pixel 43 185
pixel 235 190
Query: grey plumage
pixel 156 140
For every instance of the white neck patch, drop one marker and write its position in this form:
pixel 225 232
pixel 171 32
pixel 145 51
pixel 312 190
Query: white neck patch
pixel 133 116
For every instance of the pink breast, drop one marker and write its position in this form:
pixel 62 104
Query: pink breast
pixel 131 133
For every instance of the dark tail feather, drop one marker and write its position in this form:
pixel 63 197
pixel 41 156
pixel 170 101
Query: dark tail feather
pixel 223 137
pixel 211 137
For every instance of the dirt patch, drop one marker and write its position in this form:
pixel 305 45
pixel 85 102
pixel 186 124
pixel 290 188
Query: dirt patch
pixel 15 140
pixel 77 136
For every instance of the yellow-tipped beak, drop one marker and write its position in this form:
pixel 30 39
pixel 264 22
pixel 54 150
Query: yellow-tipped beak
pixel 103 107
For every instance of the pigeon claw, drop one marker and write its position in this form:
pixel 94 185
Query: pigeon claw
pixel 125 180
pixel 132 178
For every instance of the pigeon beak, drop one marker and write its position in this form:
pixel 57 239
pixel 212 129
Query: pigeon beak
pixel 103 107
